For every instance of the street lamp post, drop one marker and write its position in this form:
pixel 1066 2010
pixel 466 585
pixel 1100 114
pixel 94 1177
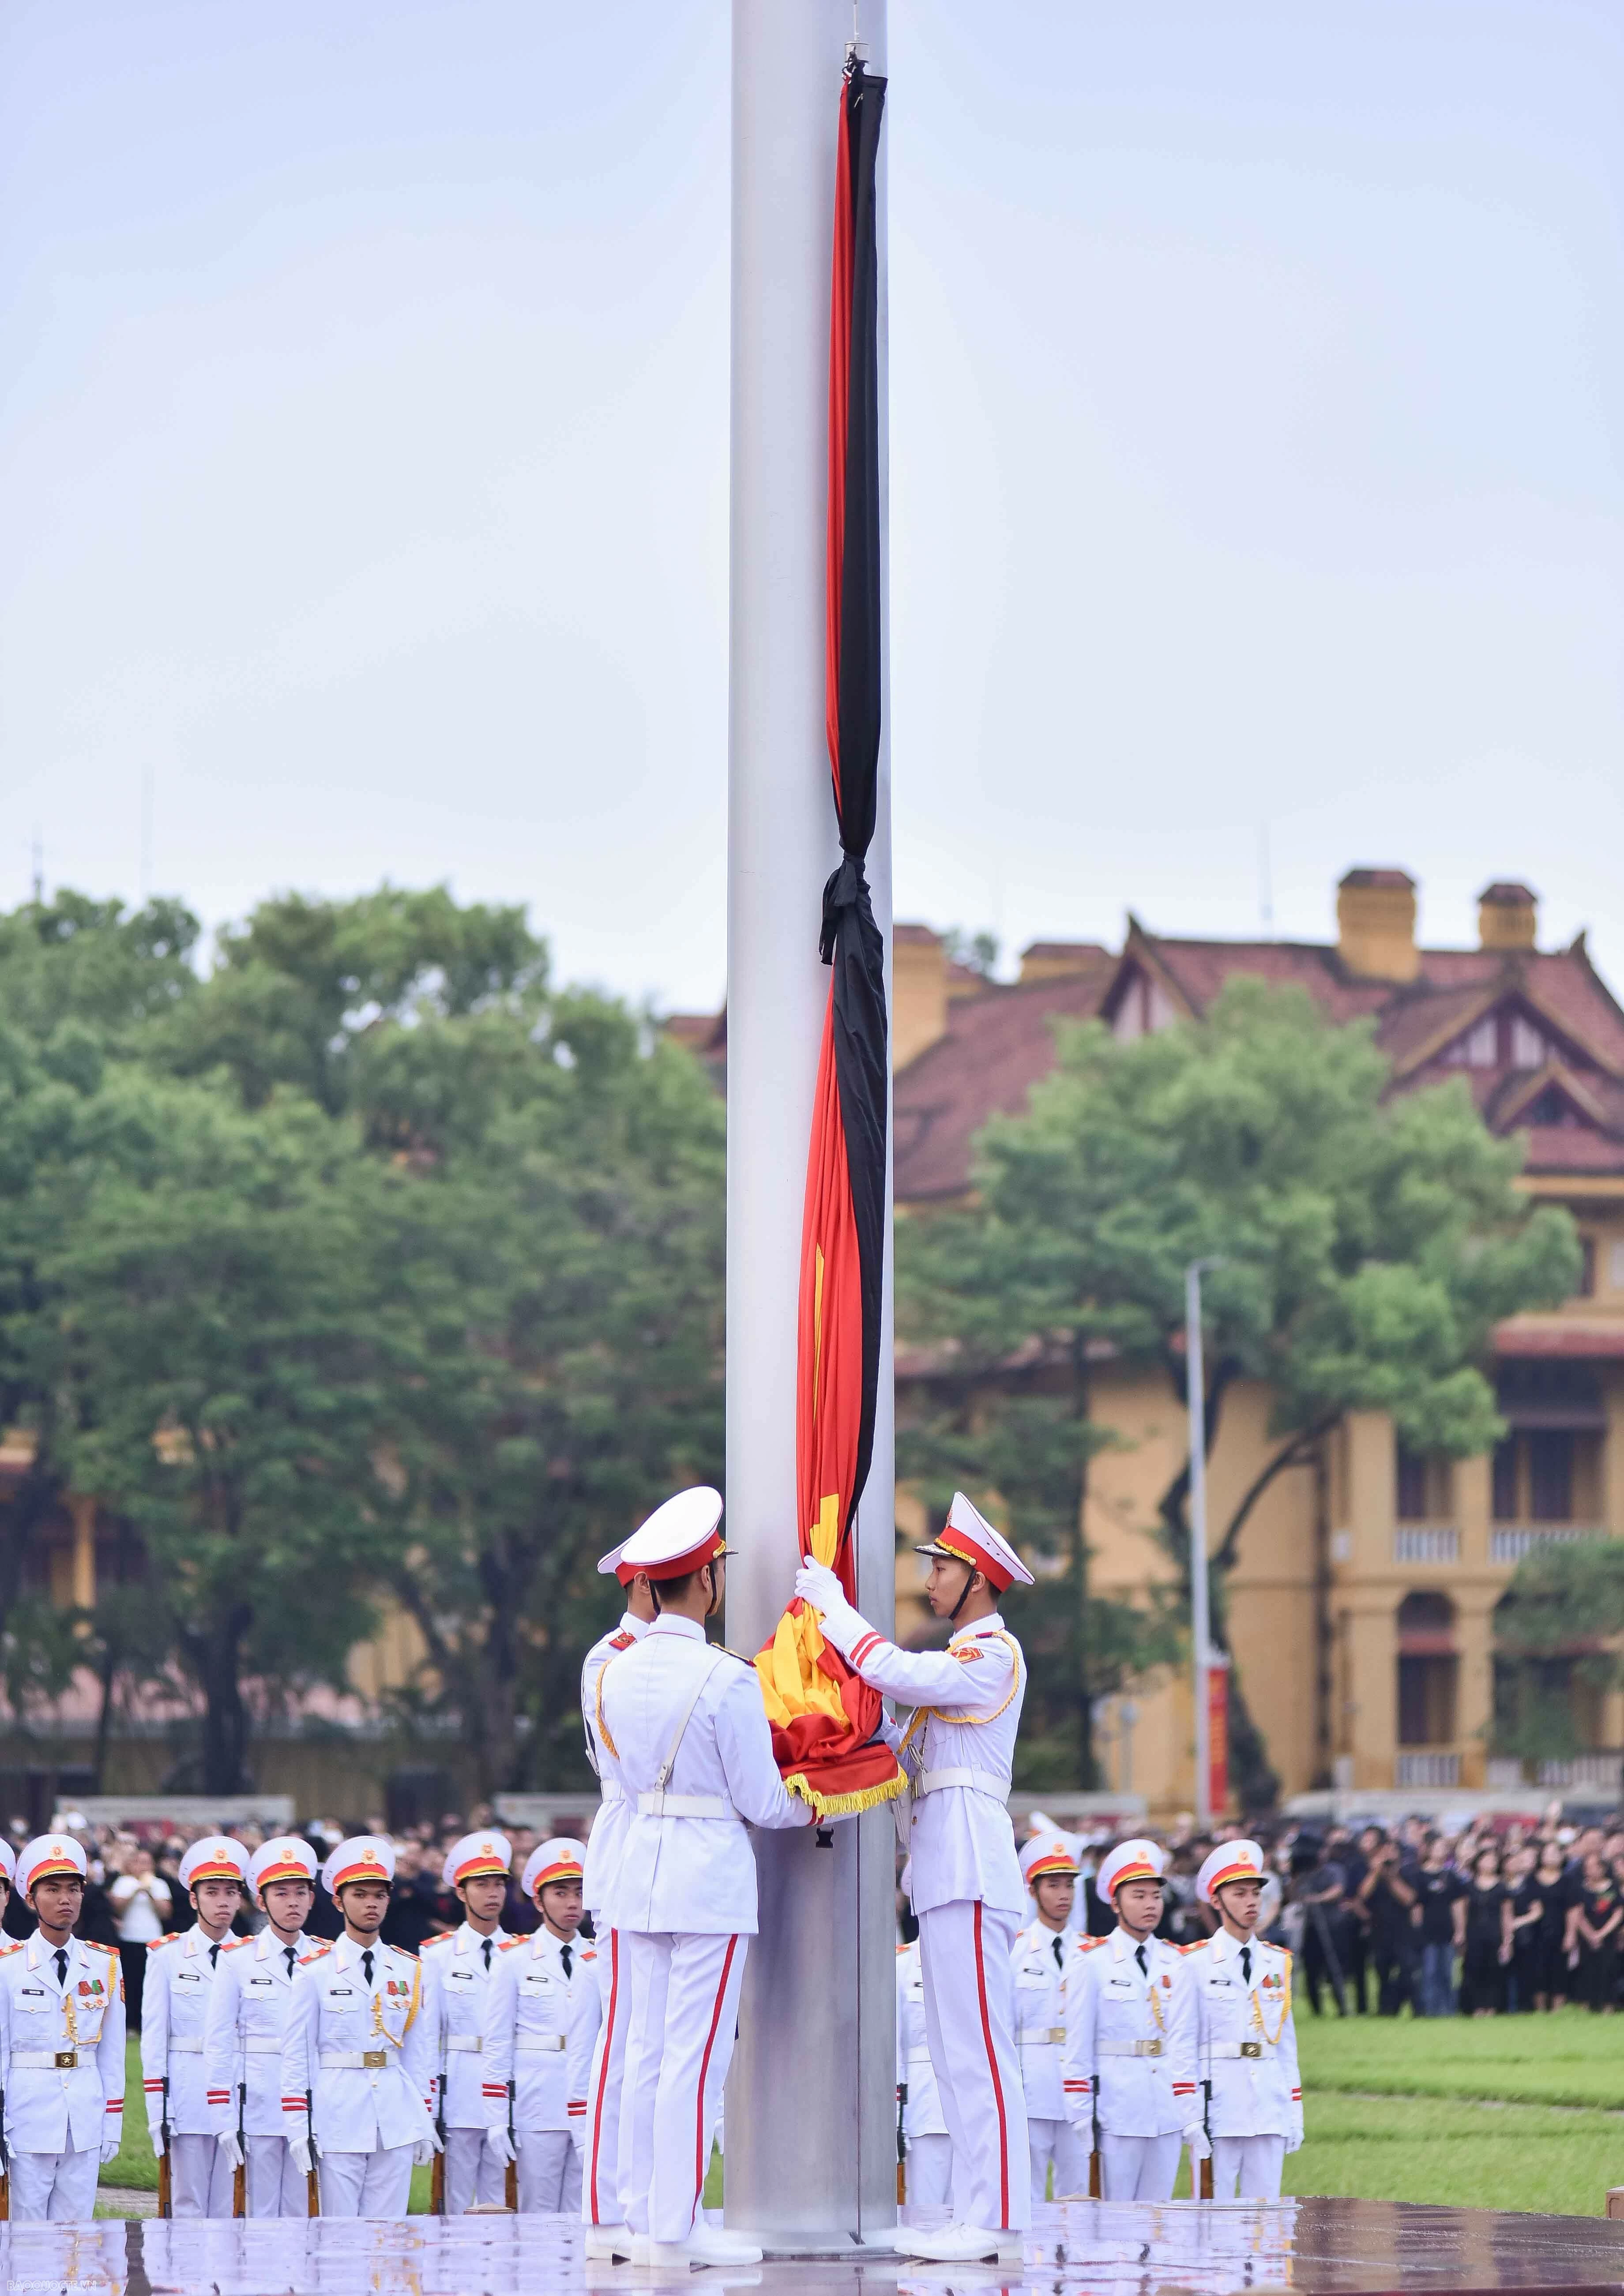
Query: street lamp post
pixel 1200 1607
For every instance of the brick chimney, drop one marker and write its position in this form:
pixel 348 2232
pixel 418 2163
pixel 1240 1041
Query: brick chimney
pixel 1507 916
pixel 1375 924
pixel 919 991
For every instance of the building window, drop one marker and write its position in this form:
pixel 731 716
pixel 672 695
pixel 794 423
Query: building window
pixel 1528 1048
pixel 1422 1486
pixel 1142 1008
pixel 1587 1268
pixel 1428 1668
pixel 1550 1474
pixel 1505 1508
pixel 1477 1049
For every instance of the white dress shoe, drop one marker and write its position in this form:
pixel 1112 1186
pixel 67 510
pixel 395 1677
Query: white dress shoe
pixel 706 2244
pixel 640 2244
pixel 960 2243
pixel 608 2241
pixel 739 2245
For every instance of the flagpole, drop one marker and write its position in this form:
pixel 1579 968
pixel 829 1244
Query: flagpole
pixel 811 2119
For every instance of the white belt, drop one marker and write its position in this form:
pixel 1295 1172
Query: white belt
pixel 354 2060
pixel 533 2045
pixel 660 1804
pixel 1041 2037
pixel 982 1781
pixel 1152 2048
pixel 183 2046
pixel 50 2060
pixel 261 2045
pixel 474 2041
pixel 919 2056
pixel 1238 2049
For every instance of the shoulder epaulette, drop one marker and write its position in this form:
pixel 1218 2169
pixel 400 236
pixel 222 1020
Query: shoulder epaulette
pixel 1085 1940
pixel 168 1937
pixel 95 1945
pixel 12 1945
pixel 508 1944
pixel 1200 1945
pixel 622 1640
pixel 733 1653
pixel 405 1951
pixel 588 1952
pixel 902 1950
pixel 441 1936
pixel 316 1953
pixel 1285 1951
pixel 230 1945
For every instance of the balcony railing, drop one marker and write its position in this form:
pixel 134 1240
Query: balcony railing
pixel 1509 1544
pixel 1604 1770
pixel 1427 1770
pixel 1426 1542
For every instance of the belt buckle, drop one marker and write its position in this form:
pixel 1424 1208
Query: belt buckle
pixel 1252 2048
pixel 67 2060
pixel 373 2060
pixel 1150 2048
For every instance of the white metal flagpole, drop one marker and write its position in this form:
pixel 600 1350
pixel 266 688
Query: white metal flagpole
pixel 810 2154
pixel 1201 1624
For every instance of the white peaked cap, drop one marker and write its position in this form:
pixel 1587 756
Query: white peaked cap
pixel 968 1537
pixel 1230 1861
pixel 557 1860
pixel 216 1857
pixel 364 1857
pixel 678 1537
pixel 285 1857
pixel 489 1852
pixel 1047 1853
pixel 47 1853
pixel 8 1861
pixel 1130 1861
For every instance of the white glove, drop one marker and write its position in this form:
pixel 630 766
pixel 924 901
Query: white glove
pixel 1293 2143
pixel 817 1584
pixel 109 2150
pixel 228 2145
pixel 424 2152
pixel 156 2133
pixel 1195 2137
pixel 298 2153
pixel 502 2145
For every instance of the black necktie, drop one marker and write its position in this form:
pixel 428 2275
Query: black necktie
pixel 61 1966
pixel 293 1957
pixel 485 1950
pixel 366 1962
pixel 1144 1967
pixel 1246 1962
pixel 1060 1958
pixel 564 1957
pixel 214 1956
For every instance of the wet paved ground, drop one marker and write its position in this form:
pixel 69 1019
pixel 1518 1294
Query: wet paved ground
pixel 1318 2247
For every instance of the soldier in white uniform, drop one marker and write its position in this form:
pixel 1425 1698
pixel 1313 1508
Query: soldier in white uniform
pixel 1246 2040
pixel 683 1725
pixel 356 2075
pixel 247 2024
pixel 61 2043
pixel 457 1975
pixel 601 2210
pixel 1039 1961
pixel 929 2149
pixel 8 1873
pixel 542 2014
pixel 1130 2034
pixel 967 1887
pixel 179 1984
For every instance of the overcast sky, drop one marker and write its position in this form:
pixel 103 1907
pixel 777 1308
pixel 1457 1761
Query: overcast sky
pixel 1258 377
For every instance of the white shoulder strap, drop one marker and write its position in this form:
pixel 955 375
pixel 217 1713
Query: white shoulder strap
pixel 683 1720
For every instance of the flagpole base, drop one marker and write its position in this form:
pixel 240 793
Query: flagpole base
pixel 820 2247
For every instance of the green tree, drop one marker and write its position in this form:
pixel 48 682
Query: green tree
pixel 1369 1241
pixel 1557 1630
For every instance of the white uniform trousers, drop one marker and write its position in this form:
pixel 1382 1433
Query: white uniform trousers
pixel 273 2187
pixel 200 2178
pixel 549 2173
pixel 365 2184
pixel 58 2186
pixel 929 2173
pixel 1252 2164
pixel 685 2012
pixel 965 1951
pixel 472 2172
pixel 1056 2141
pixel 600 2187
pixel 1138 2168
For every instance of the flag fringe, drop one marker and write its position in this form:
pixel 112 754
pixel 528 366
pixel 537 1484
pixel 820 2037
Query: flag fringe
pixel 845 1805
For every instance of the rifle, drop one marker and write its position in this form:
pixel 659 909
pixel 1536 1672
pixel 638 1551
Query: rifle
pixel 902 2150
pixel 437 2173
pixel 1096 2186
pixel 1203 2182
pixel 6 2168
pixel 510 2185
pixel 313 2191
pixel 239 2175
pixel 165 2196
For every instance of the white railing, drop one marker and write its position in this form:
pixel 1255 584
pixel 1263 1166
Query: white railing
pixel 1427 1770
pixel 1502 1773
pixel 1511 1546
pixel 1426 1542
pixel 1604 1770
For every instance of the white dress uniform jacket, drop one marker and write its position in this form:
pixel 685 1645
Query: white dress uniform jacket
pixel 608 1835
pixel 1130 2038
pixel 456 1981
pixel 687 1865
pixel 960 1760
pixel 61 2046
pixel 541 2022
pixel 362 2049
pixel 1246 2040
pixel 1040 2019
pixel 176 1994
pixel 246 2025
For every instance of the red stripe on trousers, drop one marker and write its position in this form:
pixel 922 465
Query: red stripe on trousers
pixel 992 2066
pixel 704 2067
pixel 609 2035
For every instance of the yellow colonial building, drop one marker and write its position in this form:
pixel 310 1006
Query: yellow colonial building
pixel 1361 1606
